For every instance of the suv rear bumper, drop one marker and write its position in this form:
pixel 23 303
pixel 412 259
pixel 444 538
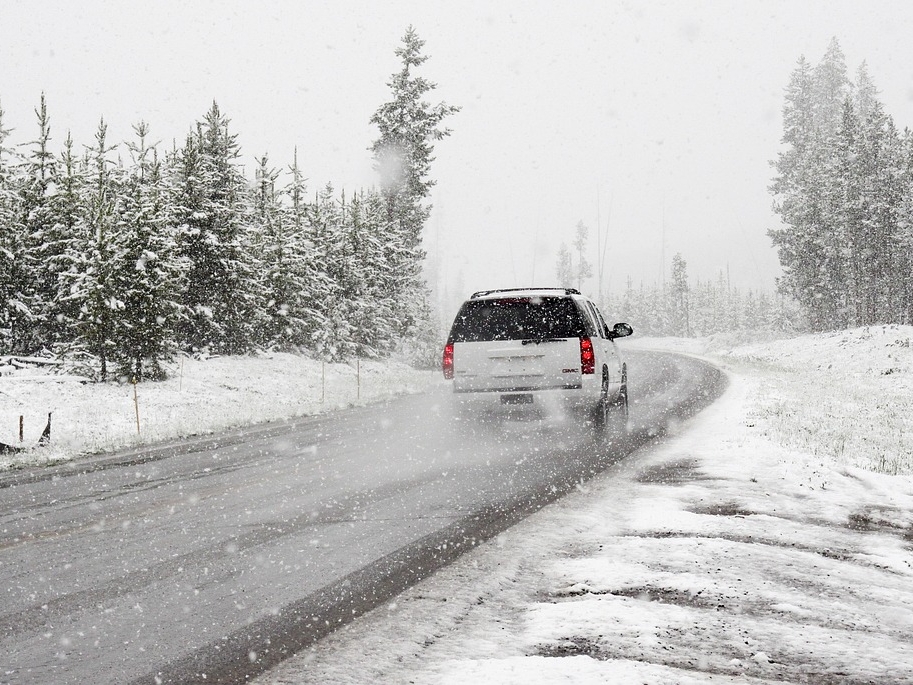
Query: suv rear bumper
pixel 520 388
pixel 515 401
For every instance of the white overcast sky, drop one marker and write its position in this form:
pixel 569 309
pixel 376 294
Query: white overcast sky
pixel 654 118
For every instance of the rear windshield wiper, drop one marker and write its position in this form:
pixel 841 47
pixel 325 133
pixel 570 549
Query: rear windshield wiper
pixel 536 341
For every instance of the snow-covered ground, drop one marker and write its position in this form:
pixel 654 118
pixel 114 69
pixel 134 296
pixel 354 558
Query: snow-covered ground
pixel 757 545
pixel 769 540
pixel 200 396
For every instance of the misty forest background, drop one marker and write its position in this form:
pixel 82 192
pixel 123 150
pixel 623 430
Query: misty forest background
pixel 843 189
pixel 116 257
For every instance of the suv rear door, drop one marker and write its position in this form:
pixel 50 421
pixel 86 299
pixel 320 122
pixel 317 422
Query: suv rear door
pixel 517 344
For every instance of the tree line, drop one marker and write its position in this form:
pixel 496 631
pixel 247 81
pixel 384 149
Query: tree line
pixel 123 255
pixel 676 307
pixel 844 192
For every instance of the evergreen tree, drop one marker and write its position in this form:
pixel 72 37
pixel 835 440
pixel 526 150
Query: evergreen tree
pixel 147 274
pixel 69 206
pixel 905 229
pixel 830 86
pixel 376 328
pixel 408 126
pixel 845 183
pixel 678 298
pixel 287 274
pixel 882 154
pixel 564 269
pixel 334 341
pixel 810 253
pixel 313 284
pixel 41 245
pixel 866 94
pixel 14 312
pixel 93 257
pixel 214 240
pixel 584 270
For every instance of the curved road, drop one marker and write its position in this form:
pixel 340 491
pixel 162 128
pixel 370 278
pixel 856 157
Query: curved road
pixel 214 559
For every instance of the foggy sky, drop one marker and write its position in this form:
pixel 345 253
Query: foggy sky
pixel 653 122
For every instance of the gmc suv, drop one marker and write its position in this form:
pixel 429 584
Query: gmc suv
pixel 533 348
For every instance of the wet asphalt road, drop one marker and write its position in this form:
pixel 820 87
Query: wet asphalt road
pixel 211 560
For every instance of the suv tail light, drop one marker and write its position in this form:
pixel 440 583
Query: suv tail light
pixel 447 363
pixel 587 356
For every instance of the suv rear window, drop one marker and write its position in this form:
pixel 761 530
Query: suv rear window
pixel 517 318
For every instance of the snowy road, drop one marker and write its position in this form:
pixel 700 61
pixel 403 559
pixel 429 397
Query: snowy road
pixel 223 556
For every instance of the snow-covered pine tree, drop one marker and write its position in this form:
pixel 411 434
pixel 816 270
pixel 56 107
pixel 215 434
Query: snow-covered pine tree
pixel 69 207
pixel 269 245
pixel 214 240
pixel 373 325
pixel 408 126
pixel 865 94
pixel 92 257
pixel 584 270
pixel 830 86
pixel 41 247
pixel 564 268
pixel 678 298
pixel 905 228
pixel 380 280
pixel 845 191
pixel 882 155
pixel 866 191
pixel 809 252
pixel 191 207
pixel 789 186
pixel 353 294
pixel 334 340
pixel 285 277
pixel 147 275
pixel 312 281
pixel 14 313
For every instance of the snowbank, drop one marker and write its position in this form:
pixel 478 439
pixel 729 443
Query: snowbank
pixel 844 395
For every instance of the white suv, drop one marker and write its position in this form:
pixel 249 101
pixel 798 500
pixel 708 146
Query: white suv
pixel 526 348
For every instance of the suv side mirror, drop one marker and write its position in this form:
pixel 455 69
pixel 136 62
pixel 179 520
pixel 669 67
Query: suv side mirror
pixel 621 330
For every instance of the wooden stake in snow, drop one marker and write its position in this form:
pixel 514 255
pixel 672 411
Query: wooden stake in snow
pixel 136 404
pixel 21 428
pixel 43 440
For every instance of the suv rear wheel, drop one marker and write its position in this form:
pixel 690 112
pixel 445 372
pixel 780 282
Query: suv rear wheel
pixel 621 404
pixel 612 416
pixel 603 408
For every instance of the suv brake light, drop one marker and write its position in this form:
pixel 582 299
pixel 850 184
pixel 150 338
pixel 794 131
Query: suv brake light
pixel 447 364
pixel 587 356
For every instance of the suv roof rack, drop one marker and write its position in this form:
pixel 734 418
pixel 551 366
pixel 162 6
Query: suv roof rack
pixel 483 293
